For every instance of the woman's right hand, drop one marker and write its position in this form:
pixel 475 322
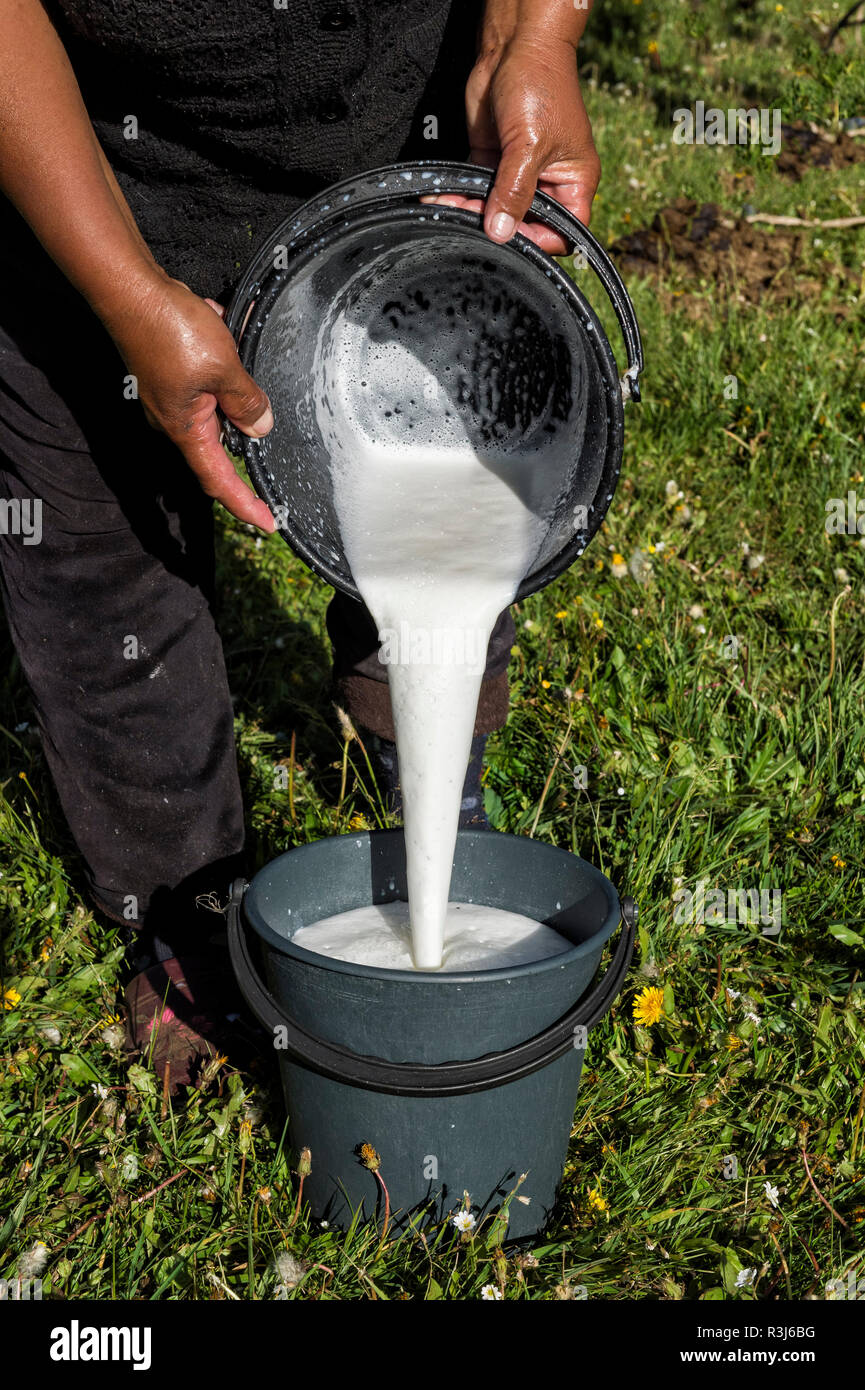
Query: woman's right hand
pixel 186 365
pixel 54 172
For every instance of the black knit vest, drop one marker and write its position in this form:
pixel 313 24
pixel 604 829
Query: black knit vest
pixel 220 116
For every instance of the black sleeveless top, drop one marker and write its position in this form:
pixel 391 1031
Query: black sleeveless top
pixel 220 118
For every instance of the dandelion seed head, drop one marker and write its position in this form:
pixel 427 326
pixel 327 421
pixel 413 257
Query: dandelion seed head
pixel 289 1271
pixel 32 1263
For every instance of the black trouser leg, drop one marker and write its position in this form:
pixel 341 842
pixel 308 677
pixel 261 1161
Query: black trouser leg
pixel 111 617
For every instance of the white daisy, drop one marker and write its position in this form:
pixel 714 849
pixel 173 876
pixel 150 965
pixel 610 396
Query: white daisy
pixel 464 1221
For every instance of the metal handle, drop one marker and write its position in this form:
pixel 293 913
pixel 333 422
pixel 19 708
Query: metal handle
pixel 416 1079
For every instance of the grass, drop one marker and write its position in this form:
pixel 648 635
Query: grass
pixel 738 764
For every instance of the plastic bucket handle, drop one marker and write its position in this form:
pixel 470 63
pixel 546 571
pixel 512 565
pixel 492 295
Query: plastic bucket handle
pixel 424 1079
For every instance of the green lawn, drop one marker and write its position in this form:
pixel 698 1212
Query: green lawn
pixel 738 764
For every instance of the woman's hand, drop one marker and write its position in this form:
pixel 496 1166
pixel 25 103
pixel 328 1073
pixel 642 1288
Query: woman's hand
pixel 526 118
pixel 186 364
pixel 52 169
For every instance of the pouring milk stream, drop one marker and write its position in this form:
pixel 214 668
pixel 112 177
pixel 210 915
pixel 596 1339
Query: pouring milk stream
pixel 439 535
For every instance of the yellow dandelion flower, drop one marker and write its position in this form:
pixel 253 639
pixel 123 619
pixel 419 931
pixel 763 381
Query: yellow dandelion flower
pixel 545 684
pixel 358 822
pixel 617 558
pixel 599 623
pixel 733 1042
pixel 597 1201
pixel 649 1006
pixel 562 613
pixel 11 998
pixel 653 47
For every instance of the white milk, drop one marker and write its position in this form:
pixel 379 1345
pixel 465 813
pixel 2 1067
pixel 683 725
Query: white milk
pixel 438 540
pixel 476 937
pixel 438 545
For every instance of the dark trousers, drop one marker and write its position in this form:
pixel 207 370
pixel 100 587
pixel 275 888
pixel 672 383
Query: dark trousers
pixel 112 617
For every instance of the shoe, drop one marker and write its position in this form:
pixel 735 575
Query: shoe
pixel 185 1016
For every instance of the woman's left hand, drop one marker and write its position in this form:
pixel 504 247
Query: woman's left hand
pixel 526 118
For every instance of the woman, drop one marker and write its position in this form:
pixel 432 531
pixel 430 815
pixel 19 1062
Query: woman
pixel 145 147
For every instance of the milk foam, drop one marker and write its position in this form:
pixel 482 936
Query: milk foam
pixel 476 938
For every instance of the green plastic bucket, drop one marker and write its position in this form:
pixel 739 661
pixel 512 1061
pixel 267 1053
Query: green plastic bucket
pixel 461 1082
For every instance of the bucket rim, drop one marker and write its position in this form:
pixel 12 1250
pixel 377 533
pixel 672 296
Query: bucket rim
pixel 285 947
pixel 540 266
pixel 388 184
